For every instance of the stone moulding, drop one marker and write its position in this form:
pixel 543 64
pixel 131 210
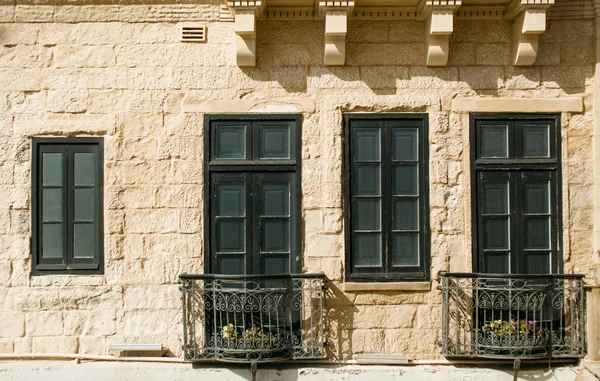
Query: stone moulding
pixel 499 105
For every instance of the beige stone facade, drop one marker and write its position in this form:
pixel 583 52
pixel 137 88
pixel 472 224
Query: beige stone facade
pixel 118 70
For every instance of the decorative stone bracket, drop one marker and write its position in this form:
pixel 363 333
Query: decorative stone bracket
pixel 245 13
pixel 530 23
pixel 336 27
pixel 439 17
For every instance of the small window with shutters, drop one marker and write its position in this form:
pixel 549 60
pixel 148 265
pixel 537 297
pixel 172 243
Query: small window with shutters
pixel 67 227
pixel 386 197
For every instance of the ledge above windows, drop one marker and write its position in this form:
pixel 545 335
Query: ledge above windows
pixel 528 18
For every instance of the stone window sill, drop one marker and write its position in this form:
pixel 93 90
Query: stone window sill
pixel 385 286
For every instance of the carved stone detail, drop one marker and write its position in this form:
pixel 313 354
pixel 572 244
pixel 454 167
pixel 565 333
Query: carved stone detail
pixel 336 27
pixel 245 13
pixel 439 18
pixel 529 24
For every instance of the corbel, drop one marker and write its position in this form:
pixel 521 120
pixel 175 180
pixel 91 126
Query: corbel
pixel 336 27
pixel 529 23
pixel 439 19
pixel 245 13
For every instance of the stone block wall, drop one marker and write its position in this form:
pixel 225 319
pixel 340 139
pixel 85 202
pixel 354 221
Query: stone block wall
pixel 119 71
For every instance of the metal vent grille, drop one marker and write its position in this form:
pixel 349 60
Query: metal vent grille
pixel 193 33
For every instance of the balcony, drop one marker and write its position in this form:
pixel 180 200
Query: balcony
pixel 252 318
pixel 513 316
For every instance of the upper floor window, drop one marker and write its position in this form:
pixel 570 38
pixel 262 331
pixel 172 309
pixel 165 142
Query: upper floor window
pixel 516 191
pixel 67 227
pixel 253 194
pixel 386 197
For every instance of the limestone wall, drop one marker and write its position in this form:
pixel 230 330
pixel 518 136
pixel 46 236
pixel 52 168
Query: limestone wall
pixel 120 72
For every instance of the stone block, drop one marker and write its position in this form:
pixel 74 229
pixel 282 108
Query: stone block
pixel 7 14
pixel 566 77
pixel 388 317
pixel 21 79
pixel 146 55
pixel 332 221
pixel 13 324
pixel 25 56
pixel 93 345
pixel 406 31
pixel 429 317
pixel 94 323
pixel 438 172
pixel 482 78
pixel 5 271
pixel 140 125
pixel 461 54
pixel 34 13
pixel 369 31
pixel 432 78
pixel 288 78
pixel 187 148
pixel 149 78
pixel 579 148
pixel 20 222
pixel 290 54
pixel 569 31
pixel 6 346
pixel 493 54
pixel 189 221
pixel 148 322
pixel 92 298
pixel 332 268
pixel 191 124
pixel 152 297
pixel 20 272
pixel 179 196
pixel 383 77
pixel 362 54
pixel 290 31
pixel 86 13
pixel 481 32
pixel 323 245
pixel 523 78
pixel 67 101
pixel 576 53
pixel 54 344
pixel 582 219
pixel 44 323
pixel 64 124
pixel 365 341
pixel 79 56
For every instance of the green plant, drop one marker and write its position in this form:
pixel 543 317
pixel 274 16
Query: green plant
pixel 511 328
pixel 228 332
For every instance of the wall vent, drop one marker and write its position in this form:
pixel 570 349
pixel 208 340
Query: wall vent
pixel 192 33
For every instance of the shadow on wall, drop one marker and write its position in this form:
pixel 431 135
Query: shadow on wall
pixel 388 58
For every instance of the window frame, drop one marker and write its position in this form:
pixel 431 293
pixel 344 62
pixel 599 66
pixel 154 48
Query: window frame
pixel 96 265
pixel 515 163
pixel 250 166
pixel 423 272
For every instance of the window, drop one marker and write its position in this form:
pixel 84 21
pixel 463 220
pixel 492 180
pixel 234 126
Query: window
pixel 253 206
pixel 67 227
pixel 516 191
pixel 386 197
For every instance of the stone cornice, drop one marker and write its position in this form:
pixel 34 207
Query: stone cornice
pixel 528 17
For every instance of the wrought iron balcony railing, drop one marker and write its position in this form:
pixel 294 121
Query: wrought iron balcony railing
pixel 512 316
pixel 246 318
